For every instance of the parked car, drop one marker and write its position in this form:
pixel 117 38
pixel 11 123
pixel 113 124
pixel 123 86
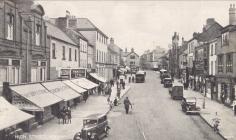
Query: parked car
pixel 95 127
pixel 189 105
pixel 167 82
pixel 176 92
pixel 163 76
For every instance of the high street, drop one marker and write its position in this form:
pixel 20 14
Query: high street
pixel 156 116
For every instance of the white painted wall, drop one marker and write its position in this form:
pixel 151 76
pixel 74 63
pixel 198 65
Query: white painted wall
pixel 57 64
pixel 212 58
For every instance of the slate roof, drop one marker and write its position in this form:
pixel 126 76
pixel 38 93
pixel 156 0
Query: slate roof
pixel 85 24
pixel 57 33
pixel 212 32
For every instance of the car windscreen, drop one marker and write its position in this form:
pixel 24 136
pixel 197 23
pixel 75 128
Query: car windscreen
pixel 90 122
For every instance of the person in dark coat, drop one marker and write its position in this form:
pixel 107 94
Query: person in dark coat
pixel 123 84
pixel 133 79
pixel 129 79
pixel 127 103
pixel 68 112
pixel 115 102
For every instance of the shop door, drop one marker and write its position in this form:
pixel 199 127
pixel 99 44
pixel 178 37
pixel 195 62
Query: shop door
pixel 33 74
pixel 3 75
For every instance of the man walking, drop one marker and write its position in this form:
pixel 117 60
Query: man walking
pixel 127 104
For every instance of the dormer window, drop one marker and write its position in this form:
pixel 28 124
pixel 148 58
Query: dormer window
pixel 10 26
pixel 37 34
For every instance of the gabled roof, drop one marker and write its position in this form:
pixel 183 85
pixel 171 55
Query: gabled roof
pixel 57 33
pixel 131 53
pixel 212 32
pixel 114 48
pixel 84 24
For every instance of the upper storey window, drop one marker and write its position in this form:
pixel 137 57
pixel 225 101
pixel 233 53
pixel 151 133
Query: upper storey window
pixel 10 26
pixel 37 34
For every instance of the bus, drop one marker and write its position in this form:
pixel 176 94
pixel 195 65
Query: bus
pixel 140 77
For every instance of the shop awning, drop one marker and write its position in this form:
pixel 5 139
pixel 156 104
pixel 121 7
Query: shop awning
pixel 74 86
pixel 61 90
pixel 36 94
pixel 97 77
pixel 84 83
pixel 10 115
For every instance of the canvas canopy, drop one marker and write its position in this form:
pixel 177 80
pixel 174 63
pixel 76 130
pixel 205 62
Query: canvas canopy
pixel 61 90
pixel 36 94
pixel 74 86
pixel 97 77
pixel 10 115
pixel 84 83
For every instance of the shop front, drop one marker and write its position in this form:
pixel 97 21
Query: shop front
pixel 36 100
pixel 13 122
pixel 69 73
pixel 63 91
pixel 226 90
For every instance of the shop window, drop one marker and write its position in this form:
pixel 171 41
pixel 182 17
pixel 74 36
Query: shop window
pixel 70 54
pixel 37 34
pixel 53 51
pixel 229 62
pixel 10 26
pixel 220 63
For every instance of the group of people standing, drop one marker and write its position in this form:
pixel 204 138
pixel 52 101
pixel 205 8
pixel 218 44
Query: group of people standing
pixel 65 115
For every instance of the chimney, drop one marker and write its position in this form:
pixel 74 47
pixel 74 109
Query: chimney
pixel 62 23
pixel 232 18
pixel 132 50
pixel 111 41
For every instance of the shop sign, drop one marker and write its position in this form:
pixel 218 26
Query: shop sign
pixel 76 73
pixel 56 90
pixel 16 62
pixel 65 73
pixel 34 63
pixel 20 102
pixel 4 62
pixel 43 63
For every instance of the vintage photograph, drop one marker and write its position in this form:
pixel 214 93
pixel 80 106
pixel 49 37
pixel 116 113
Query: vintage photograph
pixel 117 70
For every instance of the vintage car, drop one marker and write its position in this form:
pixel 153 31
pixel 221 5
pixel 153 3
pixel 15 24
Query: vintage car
pixel 95 127
pixel 163 76
pixel 176 92
pixel 189 105
pixel 167 82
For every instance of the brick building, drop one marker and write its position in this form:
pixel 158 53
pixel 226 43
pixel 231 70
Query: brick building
pixel 23 52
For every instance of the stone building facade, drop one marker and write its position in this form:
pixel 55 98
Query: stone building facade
pixel 23 52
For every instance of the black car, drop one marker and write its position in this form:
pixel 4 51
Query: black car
pixel 189 105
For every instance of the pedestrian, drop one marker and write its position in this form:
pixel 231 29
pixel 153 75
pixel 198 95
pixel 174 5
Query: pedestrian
pixel 99 89
pixel 64 115
pixel 69 114
pixel 123 84
pixel 234 107
pixel 108 99
pixel 115 102
pixel 127 104
pixel 129 79
pixel 132 79
pixel 85 96
pixel 109 90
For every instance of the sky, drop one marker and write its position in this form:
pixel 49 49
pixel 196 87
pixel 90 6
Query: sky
pixel 142 25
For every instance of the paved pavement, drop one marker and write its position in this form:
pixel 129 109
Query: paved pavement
pixel 227 118
pixel 52 130
pixel 156 116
